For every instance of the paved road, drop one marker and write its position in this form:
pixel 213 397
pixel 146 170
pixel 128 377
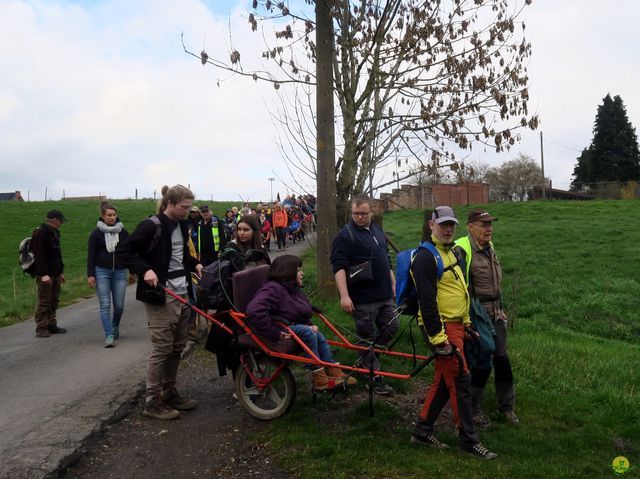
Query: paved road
pixel 57 391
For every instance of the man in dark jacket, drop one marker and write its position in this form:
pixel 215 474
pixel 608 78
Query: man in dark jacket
pixel 365 281
pixel 49 269
pixel 209 237
pixel 158 252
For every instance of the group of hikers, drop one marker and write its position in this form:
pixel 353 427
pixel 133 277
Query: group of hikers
pixel 279 221
pixel 453 280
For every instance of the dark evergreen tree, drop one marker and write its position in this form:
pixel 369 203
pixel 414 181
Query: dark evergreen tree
pixel 582 171
pixel 613 154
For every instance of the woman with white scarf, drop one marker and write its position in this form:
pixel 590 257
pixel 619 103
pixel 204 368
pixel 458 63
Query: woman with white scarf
pixel 106 272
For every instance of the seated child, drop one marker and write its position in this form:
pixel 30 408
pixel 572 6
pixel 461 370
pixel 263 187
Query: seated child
pixel 281 296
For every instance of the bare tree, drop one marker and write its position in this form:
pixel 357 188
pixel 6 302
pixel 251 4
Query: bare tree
pixel 514 179
pixel 474 171
pixel 325 146
pixel 415 81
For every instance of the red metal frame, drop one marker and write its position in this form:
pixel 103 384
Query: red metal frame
pixel 180 299
pixel 342 342
pixel 259 382
pixel 239 318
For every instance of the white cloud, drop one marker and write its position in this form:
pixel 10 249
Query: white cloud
pixel 582 50
pixel 105 98
pixel 100 96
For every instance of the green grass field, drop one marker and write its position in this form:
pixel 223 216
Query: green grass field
pixel 571 290
pixel 19 219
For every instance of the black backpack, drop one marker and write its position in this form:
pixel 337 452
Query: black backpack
pixel 215 289
pixel 215 286
pixel 26 258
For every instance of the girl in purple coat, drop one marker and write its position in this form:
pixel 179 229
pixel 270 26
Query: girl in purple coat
pixel 281 296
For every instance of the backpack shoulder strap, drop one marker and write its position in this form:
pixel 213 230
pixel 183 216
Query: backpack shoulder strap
pixel 436 255
pixel 158 232
pixel 351 236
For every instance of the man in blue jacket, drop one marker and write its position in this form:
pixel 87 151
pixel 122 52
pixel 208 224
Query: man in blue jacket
pixel 365 282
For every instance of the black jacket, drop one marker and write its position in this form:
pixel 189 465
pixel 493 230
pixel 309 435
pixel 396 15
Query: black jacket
pixel 354 245
pixel 203 239
pixel 99 256
pixel 141 253
pixel 45 245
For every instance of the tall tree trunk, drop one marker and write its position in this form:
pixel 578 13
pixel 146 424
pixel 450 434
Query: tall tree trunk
pixel 326 171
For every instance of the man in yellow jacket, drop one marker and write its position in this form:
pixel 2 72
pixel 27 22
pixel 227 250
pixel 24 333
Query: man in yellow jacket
pixel 444 322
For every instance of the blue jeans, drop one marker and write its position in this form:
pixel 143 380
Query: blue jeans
pixel 315 341
pixel 111 283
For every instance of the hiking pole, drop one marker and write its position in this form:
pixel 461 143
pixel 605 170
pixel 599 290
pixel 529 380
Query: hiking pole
pixel 422 365
pixel 455 352
pixel 371 385
pixel 396 314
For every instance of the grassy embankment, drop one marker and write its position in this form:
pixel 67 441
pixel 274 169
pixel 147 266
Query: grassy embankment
pixel 571 289
pixel 20 218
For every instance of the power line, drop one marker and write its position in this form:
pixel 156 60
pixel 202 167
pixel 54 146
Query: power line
pixel 563 143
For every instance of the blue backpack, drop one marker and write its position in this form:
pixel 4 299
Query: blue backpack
pixel 405 288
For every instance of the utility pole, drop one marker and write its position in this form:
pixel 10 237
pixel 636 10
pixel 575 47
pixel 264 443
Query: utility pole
pixel 544 181
pixel 271 180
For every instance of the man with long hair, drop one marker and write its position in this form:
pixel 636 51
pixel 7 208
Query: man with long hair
pixel 158 252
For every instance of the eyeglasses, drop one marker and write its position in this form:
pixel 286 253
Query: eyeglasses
pixel 360 214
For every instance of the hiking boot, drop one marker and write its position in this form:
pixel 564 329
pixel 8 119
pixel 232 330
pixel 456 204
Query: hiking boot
pixel 380 387
pixel 481 421
pixel 510 417
pixel 173 399
pixel 322 382
pixel 57 330
pixel 156 408
pixel 109 342
pixel 481 452
pixel 429 440
pixel 42 334
pixel 336 373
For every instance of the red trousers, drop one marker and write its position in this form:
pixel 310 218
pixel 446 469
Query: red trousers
pixel 449 383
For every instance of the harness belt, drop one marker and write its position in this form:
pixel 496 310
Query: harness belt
pixel 176 274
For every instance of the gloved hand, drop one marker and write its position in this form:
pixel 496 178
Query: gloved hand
pixel 443 349
pixel 471 334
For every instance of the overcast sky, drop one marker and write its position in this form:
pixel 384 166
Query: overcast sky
pixel 99 96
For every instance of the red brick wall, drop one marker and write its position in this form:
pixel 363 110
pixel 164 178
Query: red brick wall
pixel 410 196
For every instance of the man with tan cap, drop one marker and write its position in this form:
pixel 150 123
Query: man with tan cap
pixel 484 275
